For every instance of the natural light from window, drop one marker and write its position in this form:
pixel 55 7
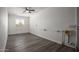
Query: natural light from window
pixel 19 22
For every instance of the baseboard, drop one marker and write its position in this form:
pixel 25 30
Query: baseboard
pixel 18 33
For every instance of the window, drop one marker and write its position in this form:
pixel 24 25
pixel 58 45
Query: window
pixel 19 22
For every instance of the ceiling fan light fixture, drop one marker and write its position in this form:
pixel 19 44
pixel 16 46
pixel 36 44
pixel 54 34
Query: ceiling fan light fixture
pixel 29 10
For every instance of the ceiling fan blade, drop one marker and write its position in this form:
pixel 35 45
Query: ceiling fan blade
pixel 27 9
pixel 31 10
pixel 24 11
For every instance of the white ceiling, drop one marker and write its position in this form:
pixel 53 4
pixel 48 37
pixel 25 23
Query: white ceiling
pixel 19 10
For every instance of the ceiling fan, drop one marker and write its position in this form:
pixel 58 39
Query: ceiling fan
pixel 28 9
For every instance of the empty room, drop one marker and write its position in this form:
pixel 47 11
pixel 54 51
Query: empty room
pixel 39 29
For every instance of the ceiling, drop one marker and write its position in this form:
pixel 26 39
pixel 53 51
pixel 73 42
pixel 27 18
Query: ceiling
pixel 19 10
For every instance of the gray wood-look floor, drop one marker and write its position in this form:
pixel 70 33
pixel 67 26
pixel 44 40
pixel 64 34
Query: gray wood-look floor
pixel 31 43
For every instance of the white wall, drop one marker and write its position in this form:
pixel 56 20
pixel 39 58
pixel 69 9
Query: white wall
pixel 13 29
pixel 3 28
pixel 52 19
